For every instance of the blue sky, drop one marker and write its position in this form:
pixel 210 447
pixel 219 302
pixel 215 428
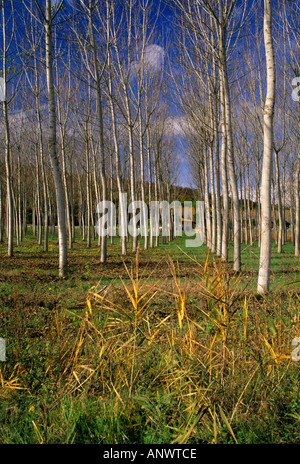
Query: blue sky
pixel 166 33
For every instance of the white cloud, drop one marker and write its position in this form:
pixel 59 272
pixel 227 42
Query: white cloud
pixel 57 2
pixel 153 57
pixel 178 126
pixel 151 61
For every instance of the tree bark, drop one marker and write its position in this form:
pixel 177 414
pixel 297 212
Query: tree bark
pixel 103 253
pixel 225 198
pixel 280 215
pixel 116 143
pixel 60 200
pixel 265 248
pixel 297 205
pixel 230 153
pixel 9 193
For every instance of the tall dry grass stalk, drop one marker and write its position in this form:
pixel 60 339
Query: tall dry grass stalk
pixel 197 360
pixel 224 343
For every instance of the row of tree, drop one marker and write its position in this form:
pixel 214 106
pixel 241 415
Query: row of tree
pixel 101 96
pixel 90 104
pixel 240 143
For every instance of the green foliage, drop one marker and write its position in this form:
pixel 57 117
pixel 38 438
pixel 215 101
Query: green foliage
pixel 152 350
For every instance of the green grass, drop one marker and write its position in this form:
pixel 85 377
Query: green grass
pixel 148 351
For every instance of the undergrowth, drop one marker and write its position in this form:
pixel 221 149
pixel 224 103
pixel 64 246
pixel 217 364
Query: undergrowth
pixel 197 361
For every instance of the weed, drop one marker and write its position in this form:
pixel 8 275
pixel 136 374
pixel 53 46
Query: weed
pixel 176 350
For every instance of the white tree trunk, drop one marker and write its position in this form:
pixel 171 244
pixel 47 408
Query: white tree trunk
pixel 297 206
pixel 297 200
pixel 225 224
pixel 9 193
pixel 116 148
pixel 265 244
pixel 97 78
pixel 280 215
pixel 60 200
pixel 230 156
pixel 206 202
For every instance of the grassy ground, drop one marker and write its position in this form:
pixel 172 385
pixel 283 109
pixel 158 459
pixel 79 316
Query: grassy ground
pixel 169 347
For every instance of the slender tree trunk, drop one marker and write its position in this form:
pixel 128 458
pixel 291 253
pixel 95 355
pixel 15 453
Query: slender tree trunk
pixel 111 195
pixel 65 184
pixel 225 198
pixel 72 207
pixel 230 157
pixel 116 149
pixel 297 204
pixel 274 213
pixel 258 204
pixel 24 212
pixel 207 203
pixel 292 204
pixel 60 201
pixel 10 214
pixel 38 199
pixel 245 209
pixel 132 180
pixel 284 228
pixel 213 200
pixel 103 254
pixel 1 212
pixel 19 200
pixel 156 192
pixel 88 197
pixel 33 213
pixel 149 183
pixel 95 179
pixel 9 193
pixel 15 212
pixel 217 180
pixel 280 216
pixel 144 233
pixel 41 154
pixel 216 151
pixel 62 125
pixel 248 205
pixel 265 249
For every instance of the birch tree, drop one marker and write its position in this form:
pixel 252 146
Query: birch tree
pixel 47 15
pixel 218 25
pixel 6 44
pixel 111 31
pixel 35 84
pixel 265 248
pixel 89 37
pixel 291 14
